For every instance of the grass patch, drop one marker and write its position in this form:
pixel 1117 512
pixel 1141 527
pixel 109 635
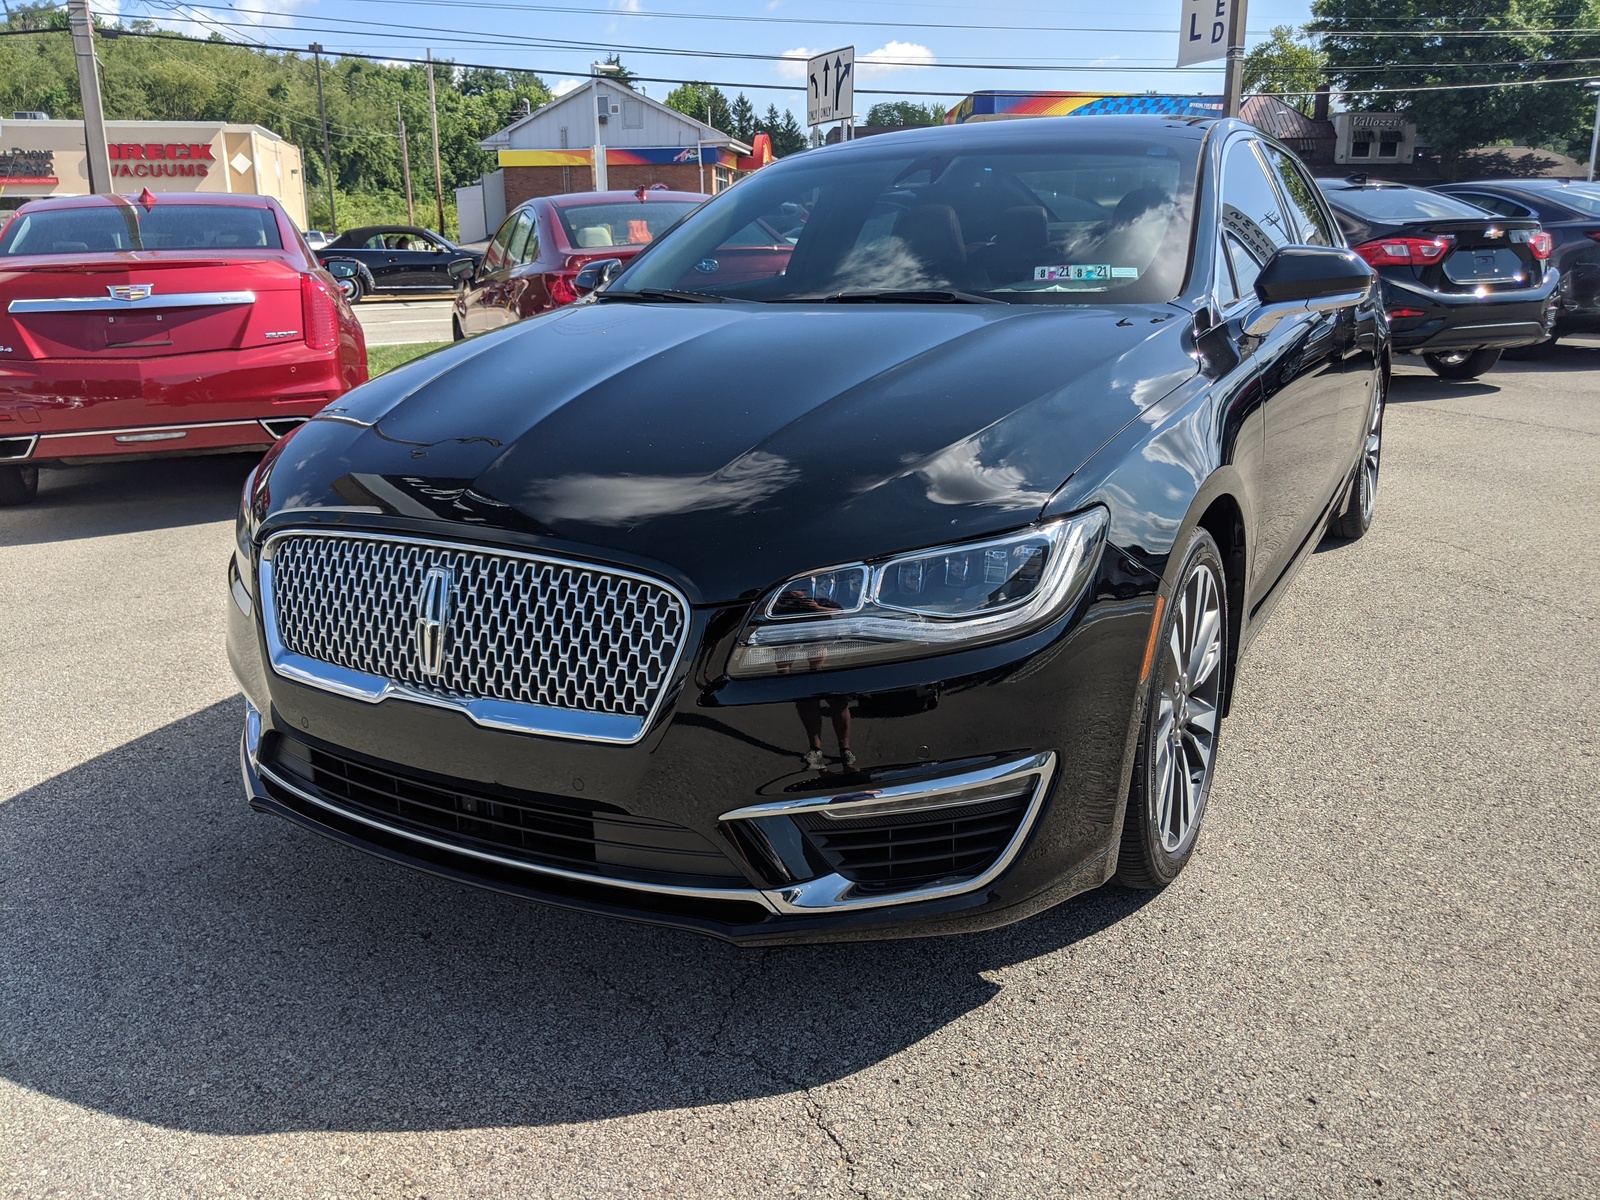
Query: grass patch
pixel 387 358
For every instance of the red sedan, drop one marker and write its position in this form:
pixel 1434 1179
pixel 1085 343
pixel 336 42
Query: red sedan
pixel 540 247
pixel 174 324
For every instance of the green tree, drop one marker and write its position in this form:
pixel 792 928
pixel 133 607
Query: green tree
pixel 163 77
pixel 743 120
pixel 1492 41
pixel 622 75
pixel 703 102
pixel 790 137
pixel 906 113
pixel 1284 63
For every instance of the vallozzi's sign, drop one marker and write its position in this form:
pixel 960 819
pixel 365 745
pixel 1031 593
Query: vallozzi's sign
pixel 152 160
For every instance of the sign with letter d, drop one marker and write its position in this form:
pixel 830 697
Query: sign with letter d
pixel 1203 35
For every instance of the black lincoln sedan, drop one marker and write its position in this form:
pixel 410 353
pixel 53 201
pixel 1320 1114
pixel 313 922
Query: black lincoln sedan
pixel 899 590
pixel 395 259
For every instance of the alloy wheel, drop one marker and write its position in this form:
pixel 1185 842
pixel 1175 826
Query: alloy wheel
pixel 1187 709
pixel 349 288
pixel 1370 458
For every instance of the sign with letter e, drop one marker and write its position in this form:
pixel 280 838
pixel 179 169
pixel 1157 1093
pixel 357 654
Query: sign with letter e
pixel 831 86
pixel 1204 33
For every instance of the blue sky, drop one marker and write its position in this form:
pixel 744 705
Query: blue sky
pixel 901 35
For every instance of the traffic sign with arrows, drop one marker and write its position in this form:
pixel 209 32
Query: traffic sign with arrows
pixel 831 87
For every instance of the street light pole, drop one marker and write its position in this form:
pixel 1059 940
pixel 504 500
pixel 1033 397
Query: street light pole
pixel 98 159
pixel 601 180
pixel 327 148
pixel 1594 140
pixel 405 167
pixel 438 170
pixel 1233 77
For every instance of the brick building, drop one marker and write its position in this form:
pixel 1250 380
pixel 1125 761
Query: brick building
pixel 550 152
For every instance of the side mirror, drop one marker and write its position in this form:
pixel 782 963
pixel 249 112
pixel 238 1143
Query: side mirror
pixel 341 268
pixel 461 270
pixel 595 275
pixel 1299 279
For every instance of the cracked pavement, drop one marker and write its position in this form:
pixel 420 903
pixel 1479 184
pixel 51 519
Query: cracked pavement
pixel 1378 977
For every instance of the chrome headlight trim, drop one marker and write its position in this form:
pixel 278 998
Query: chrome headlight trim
pixel 876 631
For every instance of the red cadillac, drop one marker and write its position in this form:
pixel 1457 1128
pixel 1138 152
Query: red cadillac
pixel 174 324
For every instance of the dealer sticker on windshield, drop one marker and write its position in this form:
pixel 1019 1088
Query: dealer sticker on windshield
pixel 1083 272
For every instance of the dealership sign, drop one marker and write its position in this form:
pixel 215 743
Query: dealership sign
pixel 154 160
pixel 31 168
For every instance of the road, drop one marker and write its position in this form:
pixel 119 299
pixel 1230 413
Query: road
pixel 396 322
pixel 1378 977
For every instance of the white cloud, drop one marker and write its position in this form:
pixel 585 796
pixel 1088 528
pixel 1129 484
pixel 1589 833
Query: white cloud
pixel 874 64
pixel 562 86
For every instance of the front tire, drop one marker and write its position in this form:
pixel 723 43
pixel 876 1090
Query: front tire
pixel 1362 503
pixel 1178 735
pixel 1461 364
pixel 18 485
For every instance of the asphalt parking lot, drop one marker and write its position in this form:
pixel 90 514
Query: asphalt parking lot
pixel 1378 977
pixel 389 322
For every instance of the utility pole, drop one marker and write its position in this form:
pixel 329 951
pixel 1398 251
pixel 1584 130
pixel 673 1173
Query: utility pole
pixel 327 148
pixel 98 159
pixel 438 171
pixel 1594 139
pixel 1233 79
pixel 405 167
pixel 601 180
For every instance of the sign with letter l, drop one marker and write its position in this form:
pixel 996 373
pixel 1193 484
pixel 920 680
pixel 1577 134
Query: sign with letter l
pixel 1204 33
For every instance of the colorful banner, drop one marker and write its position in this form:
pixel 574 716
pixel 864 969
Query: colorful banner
pixel 982 106
pixel 617 156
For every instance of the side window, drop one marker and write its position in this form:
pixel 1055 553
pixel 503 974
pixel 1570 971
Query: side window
pixel 1498 205
pixel 1245 266
pixel 1308 224
pixel 1227 290
pixel 518 242
pixel 530 250
pixel 495 256
pixel 1252 219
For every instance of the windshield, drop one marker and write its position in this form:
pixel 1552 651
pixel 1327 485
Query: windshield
pixel 1400 204
pixel 628 223
pixel 129 227
pixel 1092 221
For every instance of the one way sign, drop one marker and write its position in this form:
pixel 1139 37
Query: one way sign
pixel 831 86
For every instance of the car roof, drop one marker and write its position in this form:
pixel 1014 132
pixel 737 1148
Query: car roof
pixel 616 196
pixel 1518 185
pixel 220 199
pixel 366 231
pixel 1029 133
pixel 1349 184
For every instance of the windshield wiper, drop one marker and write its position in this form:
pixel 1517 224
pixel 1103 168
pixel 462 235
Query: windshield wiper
pixel 663 294
pixel 892 296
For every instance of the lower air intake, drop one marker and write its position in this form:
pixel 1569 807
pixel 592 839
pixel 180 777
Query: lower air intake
pixel 898 852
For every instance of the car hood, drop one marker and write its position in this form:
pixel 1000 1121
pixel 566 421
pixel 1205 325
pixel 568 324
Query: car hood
pixel 734 445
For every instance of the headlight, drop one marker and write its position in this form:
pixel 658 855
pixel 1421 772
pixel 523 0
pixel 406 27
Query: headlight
pixel 244 530
pixel 930 602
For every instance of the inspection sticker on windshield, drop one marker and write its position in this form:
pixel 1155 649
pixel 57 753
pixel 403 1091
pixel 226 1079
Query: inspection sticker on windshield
pixel 1084 272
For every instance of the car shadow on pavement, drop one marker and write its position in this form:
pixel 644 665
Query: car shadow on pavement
pixel 173 958
pixel 93 501
pixel 1409 389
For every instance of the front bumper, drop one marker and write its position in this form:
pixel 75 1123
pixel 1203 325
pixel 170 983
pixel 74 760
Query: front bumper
pixel 1465 321
pixel 1041 729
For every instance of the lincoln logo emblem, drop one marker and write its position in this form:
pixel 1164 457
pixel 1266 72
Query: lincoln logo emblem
pixel 433 617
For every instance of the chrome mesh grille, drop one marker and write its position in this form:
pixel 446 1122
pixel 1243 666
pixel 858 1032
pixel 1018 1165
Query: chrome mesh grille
pixel 522 630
